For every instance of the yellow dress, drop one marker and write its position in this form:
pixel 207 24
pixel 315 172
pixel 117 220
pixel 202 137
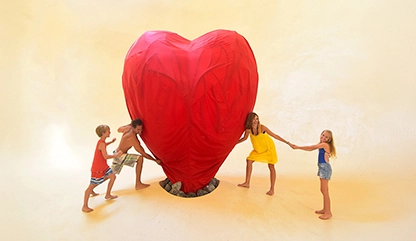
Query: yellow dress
pixel 264 149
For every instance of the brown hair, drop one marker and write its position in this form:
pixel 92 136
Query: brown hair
pixel 249 122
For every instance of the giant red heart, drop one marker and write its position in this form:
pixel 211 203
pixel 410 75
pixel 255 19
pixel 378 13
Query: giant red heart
pixel 193 98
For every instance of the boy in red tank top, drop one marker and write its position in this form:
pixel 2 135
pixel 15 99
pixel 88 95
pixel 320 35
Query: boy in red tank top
pixel 100 171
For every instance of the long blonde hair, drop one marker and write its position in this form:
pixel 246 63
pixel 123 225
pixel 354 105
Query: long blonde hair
pixel 331 142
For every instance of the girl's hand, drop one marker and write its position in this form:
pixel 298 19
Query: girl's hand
pixel 293 146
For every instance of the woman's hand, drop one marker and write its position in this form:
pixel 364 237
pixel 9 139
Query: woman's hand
pixel 293 146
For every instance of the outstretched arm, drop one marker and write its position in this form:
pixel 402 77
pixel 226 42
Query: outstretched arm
pixel 309 148
pixel 272 134
pixel 139 149
pixel 246 133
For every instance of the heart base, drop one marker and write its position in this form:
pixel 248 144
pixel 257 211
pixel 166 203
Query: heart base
pixel 175 188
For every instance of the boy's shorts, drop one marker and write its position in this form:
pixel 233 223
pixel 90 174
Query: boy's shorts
pixel 98 178
pixel 325 171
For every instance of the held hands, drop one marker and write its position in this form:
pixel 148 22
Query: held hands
pixel 293 146
pixel 159 162
pixel 290 144
pixel 119 153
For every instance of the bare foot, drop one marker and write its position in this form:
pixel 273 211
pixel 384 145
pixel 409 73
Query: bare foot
pixel 270 193
pixel 111 197
pixel 325 216
pixel 141 186
pixel 93 194
pixel 87 209
pixel 320 211
pixel 246 185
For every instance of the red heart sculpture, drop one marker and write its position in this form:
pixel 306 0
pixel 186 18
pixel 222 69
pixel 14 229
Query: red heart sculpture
pixel 193 98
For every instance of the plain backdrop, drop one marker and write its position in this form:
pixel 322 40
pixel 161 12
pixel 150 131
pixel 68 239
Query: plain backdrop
pixel 348 66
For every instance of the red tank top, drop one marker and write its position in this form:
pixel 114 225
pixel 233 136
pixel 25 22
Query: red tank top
pixel 99 164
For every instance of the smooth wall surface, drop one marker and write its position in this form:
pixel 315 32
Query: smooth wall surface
pixel 347 66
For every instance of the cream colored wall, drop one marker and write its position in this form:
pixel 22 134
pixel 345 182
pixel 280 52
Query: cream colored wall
pixel 343 65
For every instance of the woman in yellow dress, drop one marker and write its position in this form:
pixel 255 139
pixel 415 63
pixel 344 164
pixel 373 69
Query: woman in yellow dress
pixel 264 149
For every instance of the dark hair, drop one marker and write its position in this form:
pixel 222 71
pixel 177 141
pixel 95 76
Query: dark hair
pixel 136 122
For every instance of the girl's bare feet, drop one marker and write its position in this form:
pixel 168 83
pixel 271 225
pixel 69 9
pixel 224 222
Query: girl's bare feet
pixel 270 193
pixel 320 211
pixel 109 197
pixel 87 209
pixel 246 185
pixel 325 216
pixel 141 186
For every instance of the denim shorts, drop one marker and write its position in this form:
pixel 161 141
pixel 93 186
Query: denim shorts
pixel 324 170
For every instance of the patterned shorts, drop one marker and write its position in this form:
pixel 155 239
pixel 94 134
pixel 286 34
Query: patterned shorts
pixel 324 171
pixel 124 160
pixel 100 178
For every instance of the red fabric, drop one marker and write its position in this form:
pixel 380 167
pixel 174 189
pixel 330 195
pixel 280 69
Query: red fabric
pixel 193 98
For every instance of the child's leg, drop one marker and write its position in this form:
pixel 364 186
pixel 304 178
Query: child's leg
pixel 249 169
pixel 272 179
pixel 93 193
pixel 139 168
pixel 87 194
pixel 326 211
pixel 112 178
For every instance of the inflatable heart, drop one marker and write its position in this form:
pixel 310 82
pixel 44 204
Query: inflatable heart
pixel 193 98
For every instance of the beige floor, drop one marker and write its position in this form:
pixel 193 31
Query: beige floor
pixel 45 204
pixel 60 69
